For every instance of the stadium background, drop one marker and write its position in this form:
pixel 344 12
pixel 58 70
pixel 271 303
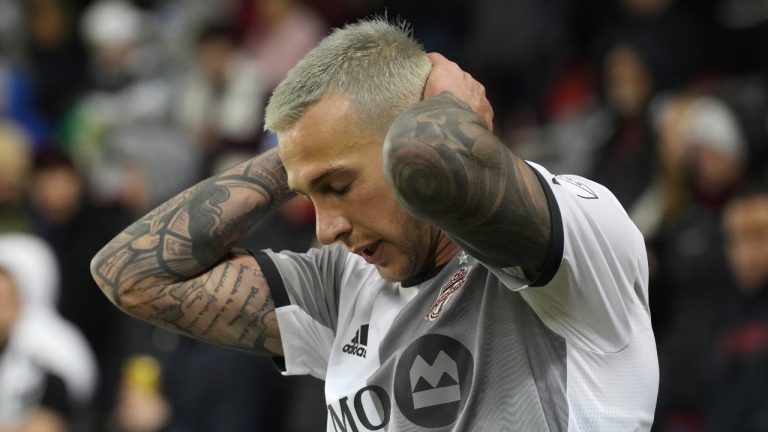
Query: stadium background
pixel 107 108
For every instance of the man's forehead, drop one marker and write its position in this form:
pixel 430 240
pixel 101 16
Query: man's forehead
pixel 322 123
pixel 328 136
pixel 309 152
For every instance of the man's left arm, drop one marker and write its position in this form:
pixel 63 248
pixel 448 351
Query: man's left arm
pixel 448 169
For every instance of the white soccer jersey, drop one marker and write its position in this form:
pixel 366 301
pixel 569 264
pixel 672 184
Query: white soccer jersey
pixel 477 348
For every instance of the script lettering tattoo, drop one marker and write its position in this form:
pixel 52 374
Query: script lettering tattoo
pixel 449 170
pixel 174 268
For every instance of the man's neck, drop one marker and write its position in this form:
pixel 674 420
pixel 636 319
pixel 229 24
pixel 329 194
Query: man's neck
pixel 445 250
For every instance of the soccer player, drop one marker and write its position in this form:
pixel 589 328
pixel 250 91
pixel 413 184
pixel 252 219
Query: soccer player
pixel 459 287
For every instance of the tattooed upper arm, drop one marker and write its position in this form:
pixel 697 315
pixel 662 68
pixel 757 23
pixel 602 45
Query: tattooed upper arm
pixel 449 170
pixel 173 267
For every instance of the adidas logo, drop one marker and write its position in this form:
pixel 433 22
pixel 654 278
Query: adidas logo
pixel 359 343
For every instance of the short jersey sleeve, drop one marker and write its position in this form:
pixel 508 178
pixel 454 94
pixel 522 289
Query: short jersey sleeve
pixel 305 288
pixel 593 290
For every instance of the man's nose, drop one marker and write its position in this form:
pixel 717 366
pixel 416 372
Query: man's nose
pixel 331 225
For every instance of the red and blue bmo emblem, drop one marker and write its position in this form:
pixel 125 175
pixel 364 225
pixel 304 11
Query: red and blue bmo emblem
pixel 448 289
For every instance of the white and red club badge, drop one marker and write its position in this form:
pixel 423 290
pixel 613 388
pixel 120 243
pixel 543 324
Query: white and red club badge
pixel 449 288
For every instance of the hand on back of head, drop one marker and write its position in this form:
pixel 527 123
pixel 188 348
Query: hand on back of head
pixel 448 76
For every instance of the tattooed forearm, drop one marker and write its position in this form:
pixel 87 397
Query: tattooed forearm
pixel 173 266
pixel 449 170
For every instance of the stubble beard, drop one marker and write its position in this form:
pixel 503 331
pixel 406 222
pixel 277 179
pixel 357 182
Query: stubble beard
pixel 415 246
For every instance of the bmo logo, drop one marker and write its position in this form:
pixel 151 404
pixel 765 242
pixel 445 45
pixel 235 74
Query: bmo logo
pixel 427 381
pixel 432 380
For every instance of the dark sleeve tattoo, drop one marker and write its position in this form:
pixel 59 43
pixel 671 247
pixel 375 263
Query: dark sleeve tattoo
pixel 174 267
pixel 449 170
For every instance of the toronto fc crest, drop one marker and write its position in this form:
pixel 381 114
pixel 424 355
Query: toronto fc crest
pixel 449 288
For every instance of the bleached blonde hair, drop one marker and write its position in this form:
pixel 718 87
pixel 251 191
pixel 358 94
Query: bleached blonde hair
pixel 374 63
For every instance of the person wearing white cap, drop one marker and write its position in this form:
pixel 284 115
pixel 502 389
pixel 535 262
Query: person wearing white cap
pixel 47 371
pixel 717 144
pixel 112 29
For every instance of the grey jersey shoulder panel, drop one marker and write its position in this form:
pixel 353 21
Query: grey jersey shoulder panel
pixel 312 280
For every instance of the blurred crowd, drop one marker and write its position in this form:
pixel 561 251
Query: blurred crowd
pixel 109 107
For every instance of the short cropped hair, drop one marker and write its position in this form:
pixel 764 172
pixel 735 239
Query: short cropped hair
pixel 374 63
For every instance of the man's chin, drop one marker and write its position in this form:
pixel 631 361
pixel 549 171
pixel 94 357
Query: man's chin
pixel 392 273
pixel 388 274
pixel 396 266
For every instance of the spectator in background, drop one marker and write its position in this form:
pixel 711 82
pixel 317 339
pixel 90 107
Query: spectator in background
pixel 177 24
pixel 120 133
pixel 75 227
pixel 740 398
pixel 671 41
pixel 15 162
pixel 280 33
pixel 43 414
pixel 11 29
pixel 701 154
pixel 742 23
pixel 512 45
pixel 668 196
pixel 17 101
pixel 54 57
pixel 16 97
pixel 625 162
pixel 651 46
pixel 718 151
pixel 221 99
pixel 117 37
pixel 47 371
pixel 640 48
pixel 701 147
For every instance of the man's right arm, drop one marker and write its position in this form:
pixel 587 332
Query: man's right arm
pixel 174 267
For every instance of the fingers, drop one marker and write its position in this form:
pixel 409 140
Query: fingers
pixel 437 58
pixel 447 75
